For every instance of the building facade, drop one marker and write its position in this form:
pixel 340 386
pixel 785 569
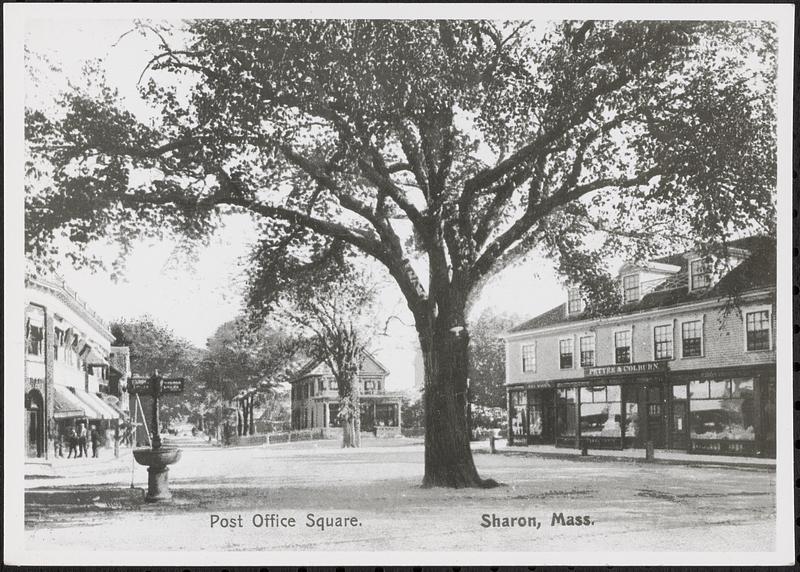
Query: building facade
pixel 688 362
pixel 69 378
pixel 315 400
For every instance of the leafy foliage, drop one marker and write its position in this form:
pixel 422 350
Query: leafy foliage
pixel 239 357
pixel 487 359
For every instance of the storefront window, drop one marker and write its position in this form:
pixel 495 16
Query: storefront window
pixel 722 409
pixel 600 412
pixel 566 412
pixel 519 404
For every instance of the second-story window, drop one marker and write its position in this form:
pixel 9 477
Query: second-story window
pixel 333 384
pixel 34 341
pixel 321 385
pixel 630 288
pixel 662 342
pixel 758 334
pixel 369 384
pixel 574 301
pixel 692 339
pixel 529 357
pixel 622 347
pixel 311 389
pixel 587 351
pixel 565 353
pixel 699 274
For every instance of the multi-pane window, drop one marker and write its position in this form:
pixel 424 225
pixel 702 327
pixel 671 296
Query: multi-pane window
pixel 757 324
pixel 630 288
pixel 565 353
pixel 529 357
pixel 622 347
pixel 692 338
pixel 34 340
pixel 574 301
pixel 333 384
pixel 699 272
pixel 320 385
pixel 662 342
pixel 587 351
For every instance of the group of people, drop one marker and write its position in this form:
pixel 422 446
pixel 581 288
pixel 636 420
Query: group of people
pixel 77 440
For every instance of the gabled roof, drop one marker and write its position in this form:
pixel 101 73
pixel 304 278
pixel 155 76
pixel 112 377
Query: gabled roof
pixel 757 271
pixel 313 363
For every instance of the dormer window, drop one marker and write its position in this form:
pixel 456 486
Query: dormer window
pixel 699 273
pixel 574 301
pixel 630 288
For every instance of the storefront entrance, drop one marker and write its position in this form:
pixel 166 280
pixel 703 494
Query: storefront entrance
pixel 34 424
pixel 656 416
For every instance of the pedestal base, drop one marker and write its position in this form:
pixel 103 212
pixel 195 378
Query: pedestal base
pixel 156 461
pixel 157 484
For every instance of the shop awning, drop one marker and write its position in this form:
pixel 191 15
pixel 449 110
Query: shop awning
pixel 67 405
pixel 121 412
pixel 96 409
pixel 114 411
pixel 94 358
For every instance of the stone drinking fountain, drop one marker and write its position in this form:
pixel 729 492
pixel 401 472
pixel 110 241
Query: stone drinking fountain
pixel 157 458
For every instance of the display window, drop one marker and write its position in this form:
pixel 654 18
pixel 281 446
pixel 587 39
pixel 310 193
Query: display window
pixel 722 409
pixel 601 411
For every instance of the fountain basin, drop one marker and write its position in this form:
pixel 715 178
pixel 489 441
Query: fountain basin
pixel 157 457
pixel 156 461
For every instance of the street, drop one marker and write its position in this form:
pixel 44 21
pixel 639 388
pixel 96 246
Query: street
pixel 374 493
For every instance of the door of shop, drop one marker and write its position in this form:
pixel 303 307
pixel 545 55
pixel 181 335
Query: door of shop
pixel 34 424
pixel 656 412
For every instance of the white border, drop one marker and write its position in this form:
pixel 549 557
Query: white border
pixel 15 16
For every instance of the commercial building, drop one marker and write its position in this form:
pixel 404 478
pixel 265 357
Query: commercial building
pixel 687 362
pixel 72 374
pixel 315 399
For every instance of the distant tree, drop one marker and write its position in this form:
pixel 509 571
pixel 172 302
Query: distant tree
pixel 487 359
pixel 239 356
pixel 412 412
pixel 155 347
pixel 484 140
pixel 334 307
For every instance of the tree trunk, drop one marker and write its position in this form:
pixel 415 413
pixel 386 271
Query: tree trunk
pixel 349 407
pixel 448 458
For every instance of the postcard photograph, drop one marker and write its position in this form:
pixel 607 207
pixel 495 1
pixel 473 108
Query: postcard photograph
pixel 398 284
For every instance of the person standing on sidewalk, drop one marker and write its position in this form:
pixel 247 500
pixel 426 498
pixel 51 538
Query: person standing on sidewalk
pixel 95 437
pixel 82 450
pixel 72 443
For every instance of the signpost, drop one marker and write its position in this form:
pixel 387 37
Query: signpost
pixel 156 386
pixel 155 457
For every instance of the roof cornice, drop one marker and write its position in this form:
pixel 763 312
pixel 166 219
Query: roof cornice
pixel 635 315
pixel 69 298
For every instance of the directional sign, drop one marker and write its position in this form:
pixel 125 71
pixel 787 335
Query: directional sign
pixel 143 385
pixel 140 385
pixel 174 385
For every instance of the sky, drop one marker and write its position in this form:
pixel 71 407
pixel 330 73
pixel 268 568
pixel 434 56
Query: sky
pixel 194 297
